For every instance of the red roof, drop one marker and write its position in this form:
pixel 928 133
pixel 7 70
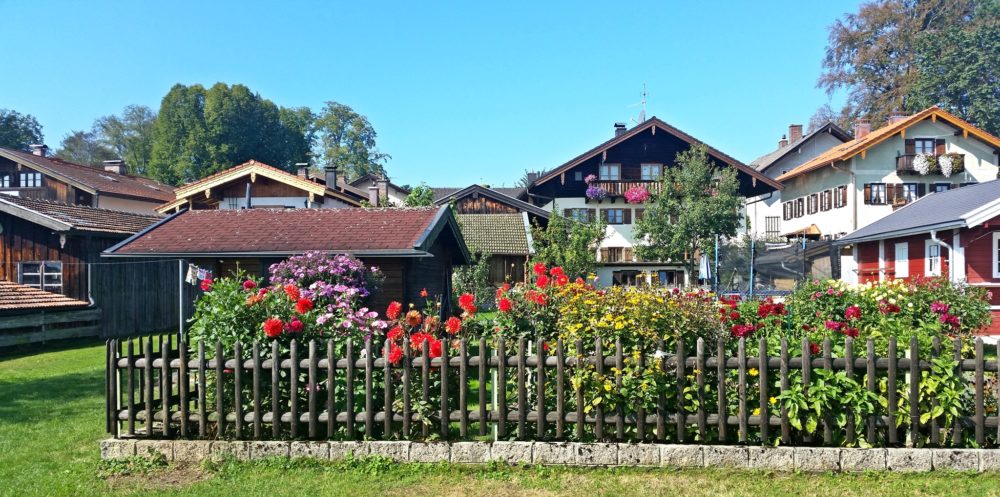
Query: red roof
pixel 288 231
pixel 15 296
pixel 76 217
pixel 92 178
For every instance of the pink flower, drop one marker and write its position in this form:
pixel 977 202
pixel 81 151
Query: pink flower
pixel 853 312
pixel 294 326
pixel 249 285
pixel 938 307
pixel 206 285
pixel 833 325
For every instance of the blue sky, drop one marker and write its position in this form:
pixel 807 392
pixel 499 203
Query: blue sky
pixel 459 93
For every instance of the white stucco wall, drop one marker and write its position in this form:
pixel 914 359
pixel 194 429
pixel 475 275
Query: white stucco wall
pixel 128 205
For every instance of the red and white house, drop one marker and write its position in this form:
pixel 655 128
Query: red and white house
pixel 953 234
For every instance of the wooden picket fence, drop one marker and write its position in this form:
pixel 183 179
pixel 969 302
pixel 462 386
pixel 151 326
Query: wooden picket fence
pixel 159 388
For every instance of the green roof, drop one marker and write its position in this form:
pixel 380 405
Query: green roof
pixel 498 234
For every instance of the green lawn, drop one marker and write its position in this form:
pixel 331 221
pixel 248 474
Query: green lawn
pixel 51 419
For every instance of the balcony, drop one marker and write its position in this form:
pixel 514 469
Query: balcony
pixel 904 164
pixel 619 187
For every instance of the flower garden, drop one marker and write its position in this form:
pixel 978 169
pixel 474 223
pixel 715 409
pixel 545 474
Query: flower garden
pixel 640 332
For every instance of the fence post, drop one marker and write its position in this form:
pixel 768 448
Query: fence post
pixel 806 377
pixel 166 386
pixel 445 413
pixel 407 401
pixel 522 392
pixel 870 375
pixel 313 374
pixel 220 398
pixel 827 416
pixel 293 377
pixel 540 388
pixel 599 409
pixel 681 416
pixel 849 371
pixel 720 369
pixel 892 393
pixel 640 412
pixel 257 421
pixel 463 388
pixel 765 416
pixel 935 428
pixel 238 388
pixel 699 366
pixel 387 392
pixel 349 394
pixel 369 395
pixel 620 410
pixel 500 389
pixel 580 414
pixel 786 429
pixel 331 385
pixel 741 354
pixel 914 392
pixel 482 387
pixel 148 381
pixel 980 397
pixel 130 386
pixel 957 431
pixel 275 391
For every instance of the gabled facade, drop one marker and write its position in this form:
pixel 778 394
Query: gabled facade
pixel 953 234
pixel 383 188
pixel 794 149
pixel 265 187
pixel 633 158
pixel 38 176
pixel 854 184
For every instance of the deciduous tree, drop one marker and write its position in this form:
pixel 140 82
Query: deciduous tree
pixel 84 147
pixel 419 196
pixel 18 131
pixel 570 244
pixel 347 140
pixel 129 135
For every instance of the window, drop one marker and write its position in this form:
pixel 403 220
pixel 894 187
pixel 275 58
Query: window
pixel 610 172
pixel 4 180
pixel 639 213
pixel 940 187
pixel 614 216
pixel 44 275
pixel 651 172
pixel 31 180
pixel 875 194
pixel 901 262
pixel 812 203
pixel 625 278
pixel 800 204
pixel 772 227
pixel 825 200
pixel 996 255
pixel 578 176
pixel 923 146
pixel 908 192
pixel 932 259
pixel 612 254
pixel 787 209
pixel 579 215
pixel 840 196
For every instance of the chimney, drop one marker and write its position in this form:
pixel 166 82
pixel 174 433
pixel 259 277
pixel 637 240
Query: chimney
pixel 783 142
pixel 115 166
pixel 39 149
pixel 373 196
pixel 619 129
pixel 794 132
pixel 303 169
pixel 382 185
pixel 862 126
pixel 331 177
pixel 897 116
pixel 532 177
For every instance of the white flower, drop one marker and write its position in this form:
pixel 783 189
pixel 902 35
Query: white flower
pixel 946 162
pixel 659 354
pixel 922 164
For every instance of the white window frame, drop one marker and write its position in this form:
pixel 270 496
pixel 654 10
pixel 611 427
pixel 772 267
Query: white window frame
pixel 32 177
pixel 655 171
pixel 41 273
pixel 928 258
pixel 604 172
pixel 619 219
pixel 996 255
pixel 901 265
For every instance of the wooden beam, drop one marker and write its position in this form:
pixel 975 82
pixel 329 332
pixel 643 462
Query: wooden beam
pixel 933 118
pixel 864 153
pixel 253 176
pixel 902 133
pixel 208 193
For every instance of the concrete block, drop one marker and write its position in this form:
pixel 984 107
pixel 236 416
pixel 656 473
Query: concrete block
pixel 638 455
pixel 512 452
pixel 908 460
pixel 724 456
pixel 192 450
pixel 397 451
pixel 146 448
pixel 955 459
pixel 553 453
pixel 817 459
pixel 340 450
pixel 117 449
pixel 596 454
pixel 430 452
pixel 682 456
pixel 316 450
pixel 260 449
pixel 774 458
pixel 856 460
pixel 238 450
pixel 989 460
pixel 470 452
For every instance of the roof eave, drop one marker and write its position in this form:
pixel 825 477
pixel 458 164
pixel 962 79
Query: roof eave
pixel 380 253
pixel 887 235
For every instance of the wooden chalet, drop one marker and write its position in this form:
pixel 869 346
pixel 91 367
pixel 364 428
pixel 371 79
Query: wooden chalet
pixel 254 184
pixel 414 248
pixel 38 176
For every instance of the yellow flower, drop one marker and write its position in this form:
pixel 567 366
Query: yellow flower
pixel 773 400
pixel 756 412
pixel 753 372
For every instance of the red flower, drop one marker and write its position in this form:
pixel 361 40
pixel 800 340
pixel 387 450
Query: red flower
pixel 206 285
pixel 562 280
pixel 502 290
pixel 303 306
pixel 853 312
pixel 395 333
pixel 423 293
pixel 249 285
pixel 294 326
pixel 418 339
pixel 434 350
pixel 413 318
pixel 504 305
pixel 292 291
pixel 851 332
pixel 542 281
pixel 273 327
pixel 813 348
pixel 557 271
pixel 886 308
pixel 833 325
pixel 393 311
pixel 579 281
pixel 452 325
pixel 395 354
pixel 734 315
pixel 539 269
pixel 467 302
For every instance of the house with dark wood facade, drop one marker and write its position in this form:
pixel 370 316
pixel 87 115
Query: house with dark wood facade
pixel 37 175
pixel 953 234
pixel 632 158
pixel 414 248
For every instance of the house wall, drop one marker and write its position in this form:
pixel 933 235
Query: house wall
pixel 51 188
pixel 127 204
pixel 483 205
pixel 22 241
pixel 874 269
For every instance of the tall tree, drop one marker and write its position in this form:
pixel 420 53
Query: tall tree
pixel 870 54
pixel 826 114
pixel 84 147
pixel 697 201
pixel 570 244
pixel 419 196
pixel 180 136
pixel 18 131
pixel 129 135
pixel 958 68
pixel 348 141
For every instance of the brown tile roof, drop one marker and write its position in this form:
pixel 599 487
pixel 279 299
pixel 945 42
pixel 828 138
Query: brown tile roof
pixel 94 179
pixel 288 231
pixel 859 145
pixel 763 162
pixel 16 296
pixel 76 217
pixel 498 234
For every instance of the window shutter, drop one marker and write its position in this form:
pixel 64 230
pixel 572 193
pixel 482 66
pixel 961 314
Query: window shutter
pixel 628 216
pixel 908 147
pixel 939 146
pixel 786 211
pixel 567 213
pixel 868 193
pixel 921 190
pixel 891 192
pixel 604 254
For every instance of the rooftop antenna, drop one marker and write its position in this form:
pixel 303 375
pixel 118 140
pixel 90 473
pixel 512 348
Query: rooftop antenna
pixel 642 103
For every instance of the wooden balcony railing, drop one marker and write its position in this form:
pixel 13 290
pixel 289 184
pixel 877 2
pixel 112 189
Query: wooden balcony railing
pixel 618 188
pixel 904 164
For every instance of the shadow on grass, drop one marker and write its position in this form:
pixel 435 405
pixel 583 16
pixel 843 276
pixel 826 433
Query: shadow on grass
pixel 20 351
pixel 29 401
